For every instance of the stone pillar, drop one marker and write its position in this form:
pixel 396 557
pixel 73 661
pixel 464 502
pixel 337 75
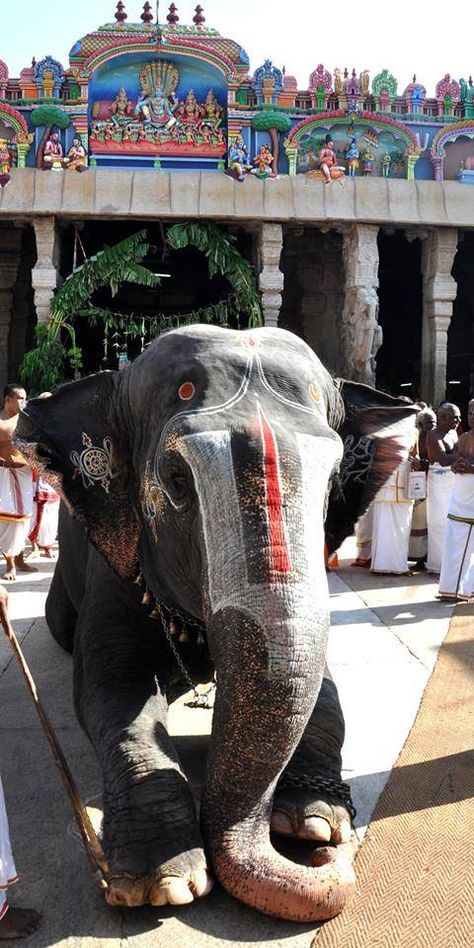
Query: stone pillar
pixel 44 276
pixel 10 251
pixel 271 277
pixel 439 291
pixel 361 335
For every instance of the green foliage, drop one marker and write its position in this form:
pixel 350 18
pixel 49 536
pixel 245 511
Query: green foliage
pixel 56 355
pixel 49 115
pixel 264 121
pixel 224 258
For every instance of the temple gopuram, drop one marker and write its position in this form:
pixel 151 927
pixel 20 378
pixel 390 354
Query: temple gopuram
pixel 350 196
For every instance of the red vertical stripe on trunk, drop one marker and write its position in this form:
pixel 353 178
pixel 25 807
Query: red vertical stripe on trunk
pixel 279 554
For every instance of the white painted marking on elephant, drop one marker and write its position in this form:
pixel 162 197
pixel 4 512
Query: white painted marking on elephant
pixel 301 597
pixel 315 409
pixel 93 464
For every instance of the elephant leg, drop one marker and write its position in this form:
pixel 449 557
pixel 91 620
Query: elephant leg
pixel 61 615
pixel 151 837
pixel 319 812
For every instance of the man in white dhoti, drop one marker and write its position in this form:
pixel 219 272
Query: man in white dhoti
pixel 456 582
pixel 392 522
pixel 364 533
pixel 14 922
pixel 45 514
pixel 16 486
pixel 441 445
pixel 418 547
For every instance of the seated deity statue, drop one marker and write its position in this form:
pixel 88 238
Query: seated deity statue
pixel 263 162
pixel 53 155
pixel 156 109
pixel 76 156
pixel 211 111
pixel 192 111
pixel 121 107
pixel 238 157
pixel 5 157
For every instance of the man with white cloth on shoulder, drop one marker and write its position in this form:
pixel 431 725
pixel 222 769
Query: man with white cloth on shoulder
pixel 16 486
pixel 456 582
pixel 441 444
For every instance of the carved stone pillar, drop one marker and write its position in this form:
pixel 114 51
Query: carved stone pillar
pixel 44 276
pixel 439 291
pixel 10 246
pixel 361 334
pixel 271 277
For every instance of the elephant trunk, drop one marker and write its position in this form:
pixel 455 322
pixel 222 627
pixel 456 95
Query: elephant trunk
pixel 268 682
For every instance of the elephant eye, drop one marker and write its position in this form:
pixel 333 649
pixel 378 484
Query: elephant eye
pixel 177 481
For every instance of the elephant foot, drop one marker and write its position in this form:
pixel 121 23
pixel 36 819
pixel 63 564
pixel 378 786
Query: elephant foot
pixel 172 884
pixel 309 814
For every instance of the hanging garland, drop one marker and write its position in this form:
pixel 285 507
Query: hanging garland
pixel 57 355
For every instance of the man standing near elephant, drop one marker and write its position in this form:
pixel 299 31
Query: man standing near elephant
pixel 16 486
pixel 441 444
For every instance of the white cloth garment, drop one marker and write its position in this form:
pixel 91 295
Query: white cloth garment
pixel 392 523
pixel 363 534
pixel 7 866
pixel 418 546
pixel 439 488
pixel 16 506
pixel 457 570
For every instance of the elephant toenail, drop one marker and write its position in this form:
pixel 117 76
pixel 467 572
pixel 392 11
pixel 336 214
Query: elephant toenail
pixel 281 823
pixel 315 827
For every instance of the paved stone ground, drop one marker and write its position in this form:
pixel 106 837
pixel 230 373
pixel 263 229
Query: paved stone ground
pixel 385 635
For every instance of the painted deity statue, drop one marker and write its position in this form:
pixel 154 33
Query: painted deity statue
pixel 238 157
pixel 192 111
pixel 327 158
pixel 211 111
pixel 156 109
pixel 386 162
pixel 121 107
pixel 263 162
pixel 367 163
pixel 53 155
pixel 352 158
pixel 76 156
pixel 5 157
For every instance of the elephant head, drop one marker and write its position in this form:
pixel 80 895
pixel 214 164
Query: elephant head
pixel 208 465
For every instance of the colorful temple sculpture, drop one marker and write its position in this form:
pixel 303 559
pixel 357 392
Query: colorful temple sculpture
pixel 174 96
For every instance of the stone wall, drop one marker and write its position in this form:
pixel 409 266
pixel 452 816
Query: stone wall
pixel 313 294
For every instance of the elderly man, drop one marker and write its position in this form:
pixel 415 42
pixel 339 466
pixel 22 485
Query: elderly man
pixel 16 486
pixel 456 581
pixel 441 445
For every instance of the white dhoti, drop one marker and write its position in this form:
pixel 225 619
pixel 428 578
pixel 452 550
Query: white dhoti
pixel 16 506
pixel 439 488
pixel 45 515
pixel 363 534
pixel 418 546
pixel 457 570
pixel 7 866
pixel 392 521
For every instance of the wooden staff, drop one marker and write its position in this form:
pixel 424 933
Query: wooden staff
pixel 89 837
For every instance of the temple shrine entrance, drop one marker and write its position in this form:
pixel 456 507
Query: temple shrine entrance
pixel 400 314
pixel 187 288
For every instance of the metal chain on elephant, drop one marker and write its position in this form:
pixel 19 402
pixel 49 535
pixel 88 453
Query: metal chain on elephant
pixel 325 785
pixel 200 700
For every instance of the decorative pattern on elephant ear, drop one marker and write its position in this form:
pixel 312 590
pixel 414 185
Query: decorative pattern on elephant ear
pixel 358 453
pixel 94 464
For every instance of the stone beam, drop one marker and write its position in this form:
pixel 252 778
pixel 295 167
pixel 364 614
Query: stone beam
pixel 361 335
pixel 44 276
pixel 439 292
pixel 271 278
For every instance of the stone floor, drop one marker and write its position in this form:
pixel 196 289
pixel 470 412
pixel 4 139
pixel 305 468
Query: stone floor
pixel 385 635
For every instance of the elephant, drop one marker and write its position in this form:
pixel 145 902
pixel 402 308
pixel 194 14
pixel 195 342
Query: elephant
pixel 199 487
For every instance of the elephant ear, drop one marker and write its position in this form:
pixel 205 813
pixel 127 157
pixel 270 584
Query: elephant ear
pixel 74 440
pixel 378 432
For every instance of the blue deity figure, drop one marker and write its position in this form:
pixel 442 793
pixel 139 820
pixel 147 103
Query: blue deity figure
pixel 352 158
pixel 156 109
pixel 238 157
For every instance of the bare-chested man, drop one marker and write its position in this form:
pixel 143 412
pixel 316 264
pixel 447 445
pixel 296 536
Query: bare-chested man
pixel 441 447
pixel 456 581
pixel 16 486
